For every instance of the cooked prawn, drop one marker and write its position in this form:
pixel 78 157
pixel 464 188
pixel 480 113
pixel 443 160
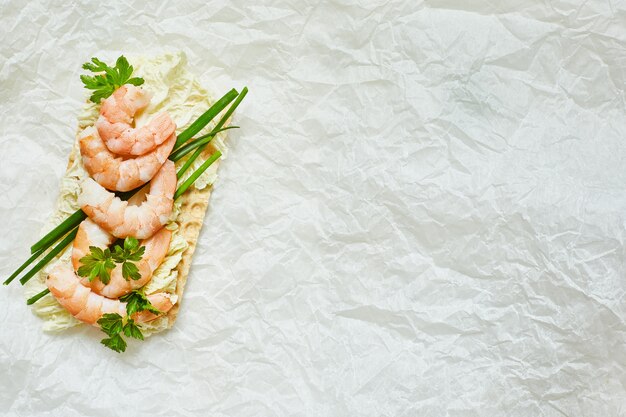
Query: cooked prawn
pixel 90 234
pixel 125 102
pixel 88 306
pixel 122 219
pixel 115 123
pixel 115 172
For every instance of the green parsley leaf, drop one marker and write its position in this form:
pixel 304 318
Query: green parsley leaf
pixel 108 78
pixel 130 271
pixel 137 255
pixel 115 342
pixel 97 65
pixel 126 255
pixel 131 244
pixel 132 330
pixel 130 252
pixel 137 302
pixel 136 81
pixel 111 323
pixel 133 304
pixel 97 264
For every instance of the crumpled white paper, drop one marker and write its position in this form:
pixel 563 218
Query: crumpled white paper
pixel 421 215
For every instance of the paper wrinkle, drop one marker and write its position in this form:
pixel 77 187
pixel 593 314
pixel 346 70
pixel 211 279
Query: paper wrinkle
pixel 421 215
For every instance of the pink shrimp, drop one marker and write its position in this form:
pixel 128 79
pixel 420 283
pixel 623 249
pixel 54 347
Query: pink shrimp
pixel 90 234
pixel 115 172
pixel 116 118
pixel 88 306
pixel 122 219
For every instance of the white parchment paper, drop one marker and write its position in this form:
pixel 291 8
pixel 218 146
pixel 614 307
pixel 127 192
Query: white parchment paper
pixel 422 215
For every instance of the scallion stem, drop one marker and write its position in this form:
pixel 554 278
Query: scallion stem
pixel 24 265
pixel 231 109
pixel 219 125
pixel 188 162
pixel 54 252
pixel 193 177
pixel 202 140
pixel 32 300
pixel 56 233
pixel 205 118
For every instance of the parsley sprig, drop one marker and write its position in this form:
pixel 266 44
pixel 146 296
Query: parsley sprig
pixel 126 255
pixel 99 262
pixel 108 78
pixel 136 302
pixel 114 325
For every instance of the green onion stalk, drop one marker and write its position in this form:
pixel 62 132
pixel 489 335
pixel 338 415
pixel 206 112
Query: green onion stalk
pixel 69 226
